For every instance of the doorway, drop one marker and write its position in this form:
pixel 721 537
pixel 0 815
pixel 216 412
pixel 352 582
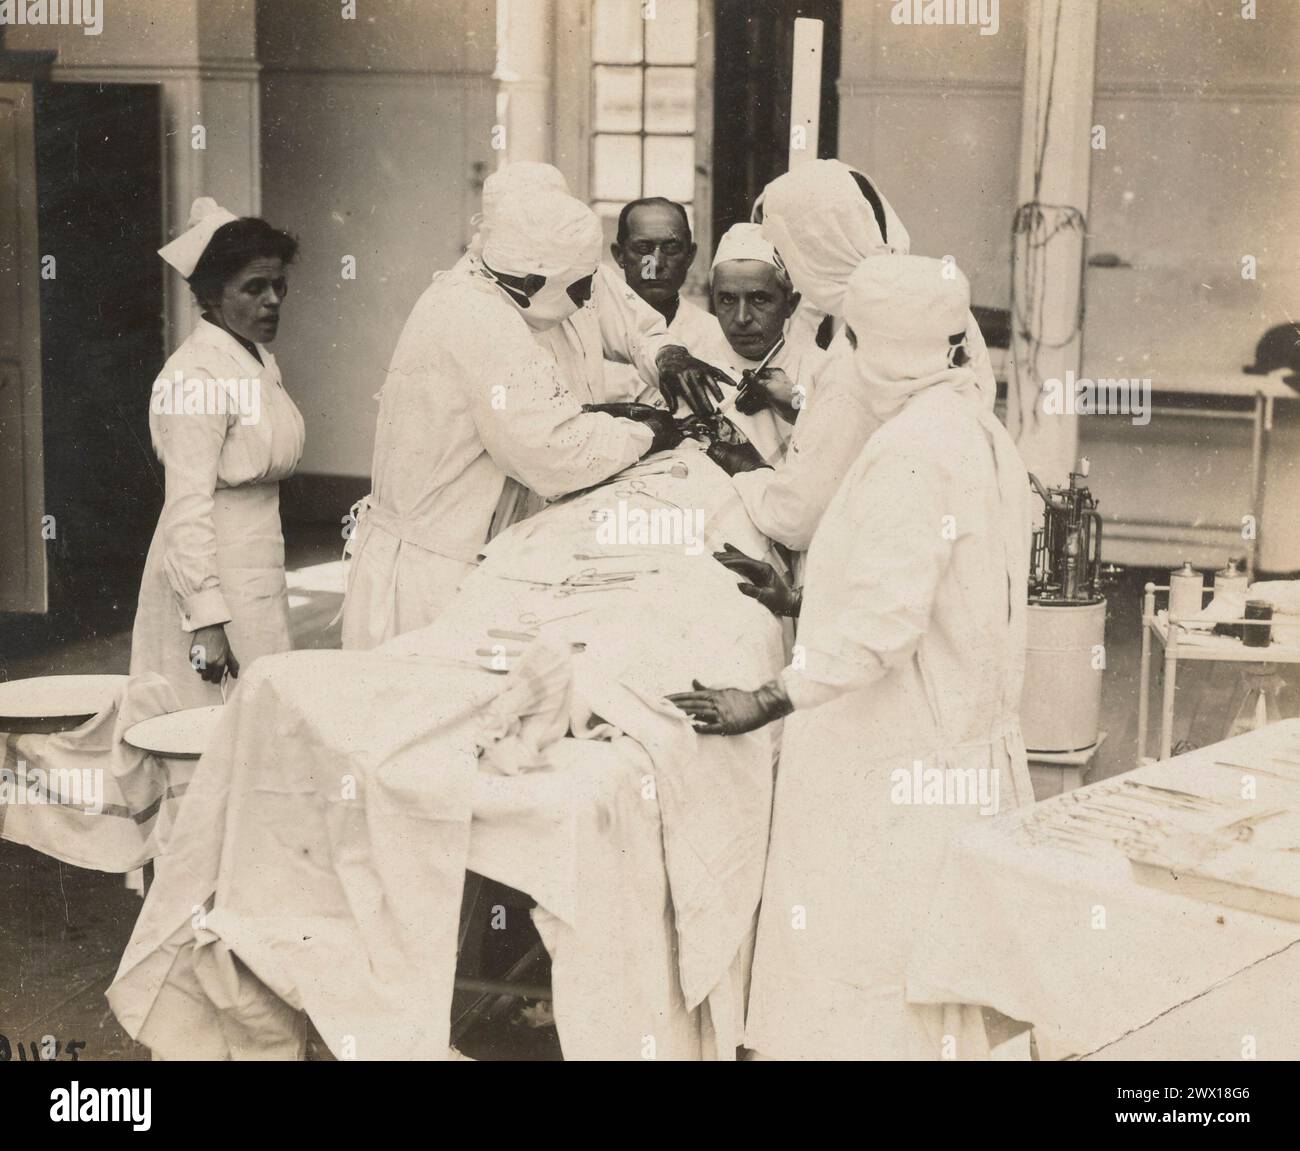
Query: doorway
pixel 754 46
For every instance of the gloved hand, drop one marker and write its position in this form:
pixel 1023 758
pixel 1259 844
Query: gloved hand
pixel 681 375
pixel 729 711
pixel 766 584
pixel 666 432
pixel 770 388
pixel 733 458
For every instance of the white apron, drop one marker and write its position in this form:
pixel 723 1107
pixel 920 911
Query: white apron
pixel 925 655
pixel 217 555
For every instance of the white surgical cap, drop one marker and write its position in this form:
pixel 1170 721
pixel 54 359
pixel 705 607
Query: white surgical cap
pixel 524 177
pixel 206 216
pixel 904 312
pixel 547 233
pixel 823 227
pixel 745 242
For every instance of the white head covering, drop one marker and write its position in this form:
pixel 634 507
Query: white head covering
pixel 744 242
pixel 549 234
pixel 523 177
pixel 904 311
pixel 823 227
pixel 206 216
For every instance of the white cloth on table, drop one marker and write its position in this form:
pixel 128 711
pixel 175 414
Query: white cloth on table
pixel 361 811
pixel 1031 944
pixel 325 936
pixel 217 555
pixel 469 400
pixel 137 794
pixel 912 641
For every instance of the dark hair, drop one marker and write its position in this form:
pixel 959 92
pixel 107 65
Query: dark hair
pixel 233 246
pixel 873 198
pixel 624 215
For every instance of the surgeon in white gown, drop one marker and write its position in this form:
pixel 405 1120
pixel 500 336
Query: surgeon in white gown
pixel 618 350
pixel 824 218
pixel 213 595
pixel 470 400
pixel 910 651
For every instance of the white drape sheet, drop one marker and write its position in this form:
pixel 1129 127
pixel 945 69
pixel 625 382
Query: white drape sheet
pixel 642 842
pixel 1071 941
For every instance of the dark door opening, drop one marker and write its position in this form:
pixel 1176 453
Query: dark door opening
pixel 754 44
pixel 99 215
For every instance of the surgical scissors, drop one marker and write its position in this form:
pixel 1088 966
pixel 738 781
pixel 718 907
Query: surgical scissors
pixel 637 487
pixel 594 577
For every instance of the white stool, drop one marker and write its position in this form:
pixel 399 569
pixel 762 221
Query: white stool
pixel 45 704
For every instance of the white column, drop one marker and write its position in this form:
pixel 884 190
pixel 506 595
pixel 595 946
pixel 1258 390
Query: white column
pixel 1047 274
pixel 525 61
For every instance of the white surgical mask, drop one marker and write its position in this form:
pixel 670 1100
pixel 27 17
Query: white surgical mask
pixel 553 302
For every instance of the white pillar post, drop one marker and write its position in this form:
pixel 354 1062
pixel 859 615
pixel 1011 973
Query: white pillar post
pixel 1047 273
pixel 525 61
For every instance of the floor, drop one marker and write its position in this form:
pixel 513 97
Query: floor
pixel 65 928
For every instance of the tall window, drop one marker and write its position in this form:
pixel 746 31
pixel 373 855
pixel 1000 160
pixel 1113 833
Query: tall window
pixel 643 56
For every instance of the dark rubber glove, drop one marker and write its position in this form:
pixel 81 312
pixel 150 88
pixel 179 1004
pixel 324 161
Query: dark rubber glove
pixel 666 432
pixel 682 376
pixel 733 458
pixel 770 388
pixel 766 584
pixel 730 711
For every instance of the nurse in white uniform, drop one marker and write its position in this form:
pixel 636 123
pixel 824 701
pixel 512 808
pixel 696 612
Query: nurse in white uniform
pixel 910 651
pixel 213 596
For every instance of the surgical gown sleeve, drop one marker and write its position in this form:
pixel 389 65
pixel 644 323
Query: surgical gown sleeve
pixel 536 431
pixel 189 445
pixel 786 503
pixel 631 331
pixel 870 617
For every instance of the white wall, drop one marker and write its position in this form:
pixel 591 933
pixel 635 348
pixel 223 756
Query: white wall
pixel 1202 115
pixel 371 133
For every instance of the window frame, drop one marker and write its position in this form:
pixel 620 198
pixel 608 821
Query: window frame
pixel 574 103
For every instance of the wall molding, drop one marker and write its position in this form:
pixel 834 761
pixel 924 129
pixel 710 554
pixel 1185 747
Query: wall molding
pixel 368 75
pixel 851 87
pixel 247 70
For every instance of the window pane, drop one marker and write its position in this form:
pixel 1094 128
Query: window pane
pixel 616 167
pixel 670 167
pixel 670 38
pixel 618 100
pixel 670 99
pixel 616 32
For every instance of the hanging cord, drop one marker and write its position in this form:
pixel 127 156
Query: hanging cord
pixel 1034 226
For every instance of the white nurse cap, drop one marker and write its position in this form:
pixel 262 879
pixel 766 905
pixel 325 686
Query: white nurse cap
pixel 184 252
